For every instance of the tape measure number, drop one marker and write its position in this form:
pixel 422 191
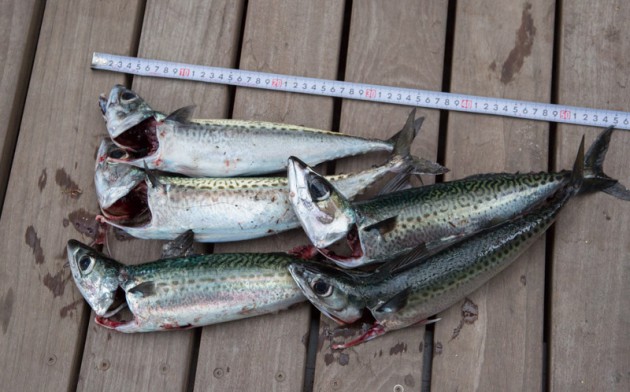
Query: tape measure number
pixel 366 92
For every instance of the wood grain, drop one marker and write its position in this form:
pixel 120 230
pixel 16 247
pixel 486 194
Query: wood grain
pixel 590 323
pixel 506 52
pixel 19 23
pixel 399 46
pixel 207 33
pixel 51 181
pixel 268 353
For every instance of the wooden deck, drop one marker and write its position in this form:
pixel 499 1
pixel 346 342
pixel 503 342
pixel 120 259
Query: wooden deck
pixel 558 319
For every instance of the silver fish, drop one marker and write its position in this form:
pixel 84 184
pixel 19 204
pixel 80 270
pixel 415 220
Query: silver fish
pixel 182 292
pixel 218 209
pixel 437 215
pixel 220 148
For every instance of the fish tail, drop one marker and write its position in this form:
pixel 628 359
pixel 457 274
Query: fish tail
pixel 594 178
pixel 405 163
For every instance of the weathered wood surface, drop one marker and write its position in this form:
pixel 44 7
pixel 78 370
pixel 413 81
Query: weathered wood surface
pixel 494 341
pixel 269 353
pixel 48 340
pixel 19 24
pixel 590 323
pixel 50 187
pixel 413 34
pixel 207 33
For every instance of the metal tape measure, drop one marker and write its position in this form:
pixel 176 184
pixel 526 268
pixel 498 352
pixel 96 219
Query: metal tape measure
pixel 365 92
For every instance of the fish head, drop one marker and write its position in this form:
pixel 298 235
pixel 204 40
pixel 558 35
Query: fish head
pixel 113 179
pixel 123 110
pixel 324 213
pixel 331 291
pixel 95 275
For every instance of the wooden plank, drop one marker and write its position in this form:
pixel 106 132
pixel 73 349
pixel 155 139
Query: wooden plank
pixel 493 342
pixel 406 49
pixel 19 24
pixel 268 353
pixel 207 32
pixel 590 323
pixel 51 181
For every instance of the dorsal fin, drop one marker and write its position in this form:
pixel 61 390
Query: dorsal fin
pixel 384 226
pixel 181 115
pixel 146 289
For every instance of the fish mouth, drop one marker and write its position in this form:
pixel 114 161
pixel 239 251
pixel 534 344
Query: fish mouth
pixel 118 314
pixel 102 103
pixel 354 256
pixel 140 141
pixel 322 223
pixel 131 210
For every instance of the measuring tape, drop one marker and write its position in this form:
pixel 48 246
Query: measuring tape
pixel 365 92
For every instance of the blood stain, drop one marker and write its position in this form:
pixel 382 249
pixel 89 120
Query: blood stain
pixel 35 243
pixel 329 358
pixel 41 182
pixel 522 46
pixel 343 359
pixel 398 348
pixel 67 184
pixel 84 222
pixel 57 283
pixel 66 310
pixel 6 309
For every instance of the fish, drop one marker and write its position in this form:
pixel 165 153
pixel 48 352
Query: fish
pixel 182 292
pixel 415 286
pixel 155 206
pixel 437 215
pixel 221 148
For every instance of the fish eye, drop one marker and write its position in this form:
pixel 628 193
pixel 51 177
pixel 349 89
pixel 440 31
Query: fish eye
pixel 321 288
pixel 318 189
pixel 86 263
pixel 127 96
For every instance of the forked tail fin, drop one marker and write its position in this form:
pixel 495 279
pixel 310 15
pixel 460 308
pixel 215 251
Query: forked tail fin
pixel 402 148
pixel 594 177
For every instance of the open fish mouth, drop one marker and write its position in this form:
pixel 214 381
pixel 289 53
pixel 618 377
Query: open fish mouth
pixel 353 254
pixel 118 314
pixel 131 210
pixel 140 141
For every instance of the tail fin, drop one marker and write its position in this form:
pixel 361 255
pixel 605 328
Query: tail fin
pixel 577 174
pixel 594 177
pixel 402 148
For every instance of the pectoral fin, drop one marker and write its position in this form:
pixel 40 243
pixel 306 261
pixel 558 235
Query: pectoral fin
pixel 395 303
pixel 145 289
pixel 384 226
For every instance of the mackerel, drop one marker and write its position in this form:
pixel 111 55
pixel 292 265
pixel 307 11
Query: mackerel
pixel 154 206
pixel 414 287
pixel 182 292
pixel 220 148
pixel 436 215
